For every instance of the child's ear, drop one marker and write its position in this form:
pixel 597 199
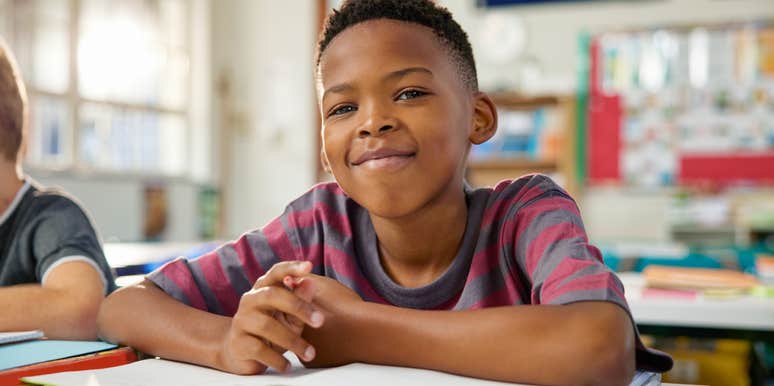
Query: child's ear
pixel 324 160
pixel 484 119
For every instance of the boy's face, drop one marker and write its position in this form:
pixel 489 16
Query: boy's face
pixel 396 117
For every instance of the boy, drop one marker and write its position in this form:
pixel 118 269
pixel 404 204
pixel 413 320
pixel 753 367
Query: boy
pixel 53 274
pixel 398 262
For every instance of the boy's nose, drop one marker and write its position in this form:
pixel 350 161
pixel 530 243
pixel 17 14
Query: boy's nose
pixel 377 125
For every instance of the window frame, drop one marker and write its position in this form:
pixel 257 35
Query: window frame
pixel 73 164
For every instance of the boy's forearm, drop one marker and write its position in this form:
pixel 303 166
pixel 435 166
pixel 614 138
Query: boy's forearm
pixel 59 313
pixel 582 343
pixel 146 318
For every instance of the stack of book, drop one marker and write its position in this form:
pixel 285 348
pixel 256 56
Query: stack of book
pixel 693 281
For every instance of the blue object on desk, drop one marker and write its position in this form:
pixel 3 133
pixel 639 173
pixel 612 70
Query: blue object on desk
pixel 37 351
pixel 692 260
pixel 147 267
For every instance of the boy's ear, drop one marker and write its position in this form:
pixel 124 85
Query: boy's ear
pixel 324 160
pixel 484 119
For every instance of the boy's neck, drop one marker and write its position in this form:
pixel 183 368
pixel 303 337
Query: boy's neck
pixel 417 249
pixel 10 182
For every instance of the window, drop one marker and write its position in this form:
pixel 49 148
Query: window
pixel 108 83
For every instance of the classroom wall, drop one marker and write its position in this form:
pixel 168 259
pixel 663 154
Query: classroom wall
pixel 265 50
pixel 552 31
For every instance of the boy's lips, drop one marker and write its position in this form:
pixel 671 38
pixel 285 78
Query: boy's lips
pixel 382 155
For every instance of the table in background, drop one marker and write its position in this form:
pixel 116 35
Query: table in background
pixel 744 317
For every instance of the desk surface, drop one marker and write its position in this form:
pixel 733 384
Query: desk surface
pixel 741 313
pixel 153 372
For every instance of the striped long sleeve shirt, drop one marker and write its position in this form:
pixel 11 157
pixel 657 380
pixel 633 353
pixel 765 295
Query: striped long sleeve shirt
pixel 524 244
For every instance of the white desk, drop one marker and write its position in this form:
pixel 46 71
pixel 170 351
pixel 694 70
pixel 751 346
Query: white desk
pixel 742 313
pixel 157 372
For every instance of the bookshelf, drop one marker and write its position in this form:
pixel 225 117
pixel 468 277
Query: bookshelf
pixel 536 134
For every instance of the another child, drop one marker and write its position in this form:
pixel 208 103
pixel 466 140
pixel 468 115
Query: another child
pixel 53 274
pixel 398 262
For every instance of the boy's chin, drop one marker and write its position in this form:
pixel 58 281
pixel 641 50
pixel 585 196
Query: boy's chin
pixel 388 208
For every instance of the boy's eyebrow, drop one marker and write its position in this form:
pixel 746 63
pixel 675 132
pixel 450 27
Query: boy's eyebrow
pixel 339 88
pixel 397 74
pixel 401 73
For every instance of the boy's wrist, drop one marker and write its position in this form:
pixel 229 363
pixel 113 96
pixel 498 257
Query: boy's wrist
pixel 359 323
pixel 218 357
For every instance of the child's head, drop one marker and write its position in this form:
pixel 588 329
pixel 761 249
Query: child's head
pixel 400 104
pixel 423 12
pixel 13 102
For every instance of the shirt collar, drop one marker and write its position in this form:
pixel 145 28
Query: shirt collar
pixel 15 201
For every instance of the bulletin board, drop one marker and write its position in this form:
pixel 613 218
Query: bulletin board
pixel 682 106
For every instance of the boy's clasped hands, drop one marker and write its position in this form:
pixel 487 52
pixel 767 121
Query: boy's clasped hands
pixel 272 318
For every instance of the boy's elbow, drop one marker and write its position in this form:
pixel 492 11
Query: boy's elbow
pixel 86 320
pixel 613 365
pixel 106 316
pixel 77 319
pixel 118 312
pixel 610 351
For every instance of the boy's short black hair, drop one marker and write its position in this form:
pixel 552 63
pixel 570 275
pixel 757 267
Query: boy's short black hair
pixel 422 12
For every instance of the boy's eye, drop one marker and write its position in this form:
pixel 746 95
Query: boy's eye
pixel 342 110
pixel 410 94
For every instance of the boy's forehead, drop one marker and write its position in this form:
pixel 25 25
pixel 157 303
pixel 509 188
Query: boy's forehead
pixel 382 45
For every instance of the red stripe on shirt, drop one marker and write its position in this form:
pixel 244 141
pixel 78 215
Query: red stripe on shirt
pixel 553 287
pixel 179 273
pixel 501 297
pixel 219 283
pixel 279 240
pixel 484 261
pixel 562 232
pixel 321 215
pixel 545 205
pixel 345 266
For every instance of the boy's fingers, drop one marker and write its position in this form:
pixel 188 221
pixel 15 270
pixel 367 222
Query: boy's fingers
pixel 256 349
pixel 279 299
pixel 293 323
pixel 277 273
pixel 304 289
pixel 275 333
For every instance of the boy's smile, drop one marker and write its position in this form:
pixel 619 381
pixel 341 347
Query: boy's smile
pixel 397 118
pixel 384 159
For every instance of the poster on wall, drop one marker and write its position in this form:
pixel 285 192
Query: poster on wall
pixel 682 106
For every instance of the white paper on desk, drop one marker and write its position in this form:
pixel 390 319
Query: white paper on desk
pixel 152 372
pixel 359 374
pixel 158 372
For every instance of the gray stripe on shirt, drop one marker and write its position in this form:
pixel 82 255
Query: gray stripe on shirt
pixel 232 268
pixel 162 281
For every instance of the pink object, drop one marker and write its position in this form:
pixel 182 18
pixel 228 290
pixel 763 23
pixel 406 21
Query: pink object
pixel 669 294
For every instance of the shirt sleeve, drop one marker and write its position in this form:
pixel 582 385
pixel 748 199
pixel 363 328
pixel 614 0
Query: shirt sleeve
pixel 553 250
pixel 215 281
pixel 64 233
